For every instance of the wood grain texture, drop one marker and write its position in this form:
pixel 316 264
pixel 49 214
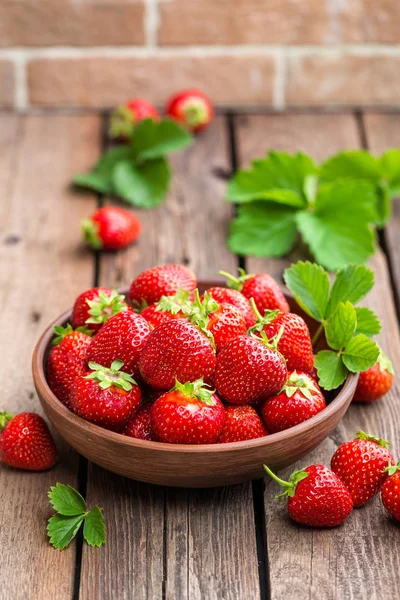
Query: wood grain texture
pixel 42 268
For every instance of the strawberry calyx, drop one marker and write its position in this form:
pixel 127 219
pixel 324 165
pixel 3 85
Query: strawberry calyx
pixel 273 342
pixel 392 469
pixel 5 417
pixel 296 382
pixel 179 302
pixel 262 321
pixel 199 312
pixel 385 364
pixel 61 332
pixel 236 283
pixel 290 486
pixel 195 112
pixel 105 307
pixel 112 376
pixel 90 231
pixel 195 389
pixel 121 122
pixel 361 435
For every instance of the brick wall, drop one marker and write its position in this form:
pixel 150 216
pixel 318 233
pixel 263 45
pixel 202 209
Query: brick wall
pixel 274 53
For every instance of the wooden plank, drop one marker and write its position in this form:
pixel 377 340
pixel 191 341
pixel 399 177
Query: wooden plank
pixel 360 557
pixel 42 268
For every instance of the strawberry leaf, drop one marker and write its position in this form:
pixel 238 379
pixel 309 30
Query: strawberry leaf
pixel 156 139
pixel 143 185
pixel 94 531
pixel 341 326
pixel 367 321
pixel 309 285
pixel 331 370
pixel 66 500
pixel 360 353
pixel 100 177
pixel 384 362
pixel 351 284
pixel 62 530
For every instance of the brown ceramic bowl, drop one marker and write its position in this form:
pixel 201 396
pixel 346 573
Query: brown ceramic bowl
pixel 185 465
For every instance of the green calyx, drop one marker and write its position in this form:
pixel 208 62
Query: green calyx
pixel 112 376
pixel 298 383
pixel 290 486
pixel 361 435
pixel 91 234
pixel 262 321
pixel 121 123
pixel 385 364
pixel 5 417
pixel 105 307
pixel 233 282
pixel 195 112
pixel 61 332
pixel 179 302
pixel 273 342
pixel 199 313
pixel 392 469
pixel 196 389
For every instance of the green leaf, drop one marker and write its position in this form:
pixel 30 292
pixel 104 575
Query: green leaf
pixel 309 284
pixel 142 185
pixel 390 167
pixel 94 181
pixel 360 353
pixel 262 229
pixel 94 530
pixel 66 500
pixel 354 164
pixel 384 362
pixel 367 321
pixel 383 204
pixel 100 177
pixel 331 370
pixel 156 139
pixel 62 530
pixel 341 326
pixel 351 284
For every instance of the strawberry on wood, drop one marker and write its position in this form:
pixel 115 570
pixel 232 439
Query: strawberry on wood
pixel 126 116
pixel 191 108
pixel 111 228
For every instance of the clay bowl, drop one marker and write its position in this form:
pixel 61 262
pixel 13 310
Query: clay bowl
pixel 185 465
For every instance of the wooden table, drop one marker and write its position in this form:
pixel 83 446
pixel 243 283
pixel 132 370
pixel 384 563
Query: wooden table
pixel 228 543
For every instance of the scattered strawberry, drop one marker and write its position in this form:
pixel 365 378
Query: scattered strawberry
pixel 111 228
pixel 26 442
pixel 316 496
pixel 188 414
pixel 140 426
pixel 241 423
pixel 390 492
pixel 106 397
pixel 376 382
pixel 227 296
pixel 125 117
pixel 192 108
pixel 149 287
pixel 299 400
pixel 95 306
pixel 262 287
pixel 361 465
pixel 168 307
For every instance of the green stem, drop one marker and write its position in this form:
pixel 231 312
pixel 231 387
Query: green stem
pixel 317 334
pixel 276 478
pixel 255 309
pixel 235 280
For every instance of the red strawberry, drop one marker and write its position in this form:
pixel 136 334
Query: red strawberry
pixel 241 423
pixel 192 108
pixel 168 307
pixel 227 296
pixel 390 492
pixel 316 496
pixel 140 426
pixel 361 465
pixel 106 397
pixel 248 369
pixel 262 287
pixel 299 399
pixel 26 442
pixel 95 306
pixel 188 414
pixel 376 382
pixel 125 117
pixel 67 360
pixel 166 280
pixel 176 349
pixel 121 338
pixel 111 228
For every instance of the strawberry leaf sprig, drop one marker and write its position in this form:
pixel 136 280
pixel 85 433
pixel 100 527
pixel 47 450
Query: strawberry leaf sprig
pixel 139 171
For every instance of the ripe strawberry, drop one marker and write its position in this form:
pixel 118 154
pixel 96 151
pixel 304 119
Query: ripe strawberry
pixel 111 228
pixel 316 496
pixel 95 306
pixel 166 280
pixel 361 464
pixel 262 287
pixel 106 397
pixel 241 423
pixel 299 400
pixel 121 338
pixel 192 108
pixel 390 492
pixel 188 414
pixel 176 349
pixel 125 117
pixel 67 360
pixel 26 442
pixel 248 369
pixel 168 307
pixel 140 426
pixel 376 382
pixel 227 296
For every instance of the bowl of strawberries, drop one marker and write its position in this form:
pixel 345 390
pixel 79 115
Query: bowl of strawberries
pixel 187 383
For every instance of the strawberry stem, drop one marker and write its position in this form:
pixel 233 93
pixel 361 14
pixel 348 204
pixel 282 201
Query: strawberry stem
pixel 5 417
pixel 290 486
pixel 255 309
pixel 235 283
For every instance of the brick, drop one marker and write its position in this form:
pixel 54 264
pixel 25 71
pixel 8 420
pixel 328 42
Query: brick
pixel 343 80
pixel 7 84
pixel 62 23
pixel 104 82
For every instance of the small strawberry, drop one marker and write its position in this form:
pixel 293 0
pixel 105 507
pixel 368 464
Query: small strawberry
pixel 67 360
pixel 168 307
pixel 94 307
pixel 241 423
pixel 361 465
pixel 121 338
pixel 126 116
pixel 249 369
pixel 111 228
pixel 376 382
pixel 188 414
pixel 316 496
pixel 192 108
pixel 227 296
pixel 26 442
pixel 149 287
pixel 390 492
pixel 299 400
pixel 106 397
pixel 140 426
pixel 176 349
pixel 262 287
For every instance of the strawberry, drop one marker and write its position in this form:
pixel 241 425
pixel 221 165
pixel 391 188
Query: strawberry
pixel 227 296
pixel 168 307
pixel 111 228
pixel 241 423
pixel 299 400
pixel 376 381
pixel 262 287
pixel 361 465
pixel 67 360
pixel 106 397
pixel 94 307
pixel 166 280
pixel 140 426
pixel 192 108
pixel 121 338
pixel 126 116
pixel 249 369
pixel 176 349
pixel 188 414
pixel 390 492
pixel 26 442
